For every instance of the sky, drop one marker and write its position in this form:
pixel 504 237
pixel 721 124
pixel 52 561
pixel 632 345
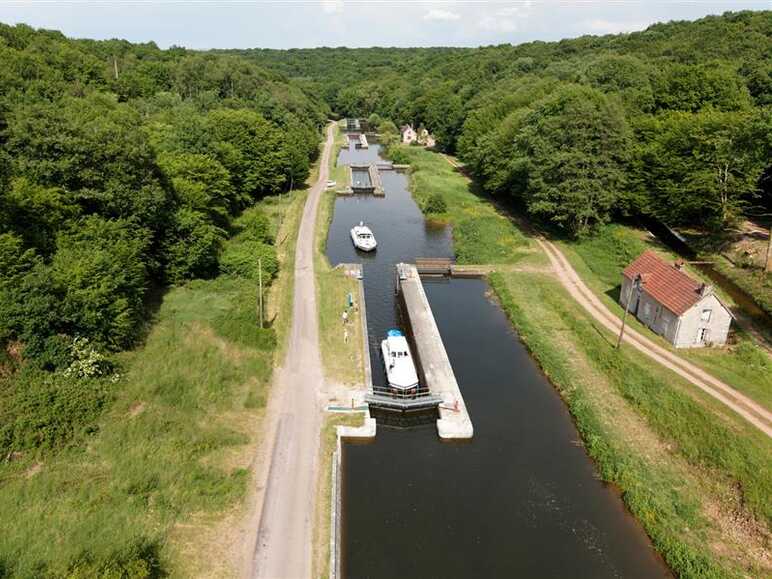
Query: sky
pixel 202 24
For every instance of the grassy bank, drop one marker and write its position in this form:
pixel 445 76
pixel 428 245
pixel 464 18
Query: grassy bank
pixel 321 548
pixel 691 473
pixel 480 234
pixel 752 280
pixel 600 259
pixel 341 344
pixel 338 173
pixel 695 475
pixel 137 474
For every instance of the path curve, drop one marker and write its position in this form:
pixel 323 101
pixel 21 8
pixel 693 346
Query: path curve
pixel 284 538
pixel 753 412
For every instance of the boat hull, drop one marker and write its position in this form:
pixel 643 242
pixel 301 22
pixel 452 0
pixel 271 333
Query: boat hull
pixel 362 246
pixel 398 385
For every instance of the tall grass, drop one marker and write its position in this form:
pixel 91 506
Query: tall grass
pixel 600 260
pixel 670 513
pixel 103 500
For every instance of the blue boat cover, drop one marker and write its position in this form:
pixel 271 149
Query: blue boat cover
pixel 393 333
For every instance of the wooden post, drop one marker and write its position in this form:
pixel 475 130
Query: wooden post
pixel 260 285
pixel 635 283
pixel 768 261
pixel 115 67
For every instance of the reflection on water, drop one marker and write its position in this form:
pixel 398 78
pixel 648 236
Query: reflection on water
pixel 402 235
pixel 519 500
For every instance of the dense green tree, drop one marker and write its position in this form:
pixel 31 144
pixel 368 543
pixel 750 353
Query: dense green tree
pixel 625 75
pixel 442 110
pixel 693 87
pixel 36 213
pixel 200 183
pixel 574 146
pixel 191 246
pixel 251 149
pixel 29 307
pixel 100 274
pixel 758 77
pixel 705 167
pixel 94 149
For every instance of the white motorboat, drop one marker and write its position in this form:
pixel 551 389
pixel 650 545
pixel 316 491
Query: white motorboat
pixel 400 369
pixel 363 237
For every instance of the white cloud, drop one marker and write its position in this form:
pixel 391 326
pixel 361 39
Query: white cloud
pixel 520 10
pixel 601 26
pixel 332 6
pixel 505 19
pixel 497 23
pixel 441 15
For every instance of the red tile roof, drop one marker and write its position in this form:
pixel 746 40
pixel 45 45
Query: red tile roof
pixel 664 283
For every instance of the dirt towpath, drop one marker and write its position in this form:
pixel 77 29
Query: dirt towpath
pixel 284 537
pixel 753 412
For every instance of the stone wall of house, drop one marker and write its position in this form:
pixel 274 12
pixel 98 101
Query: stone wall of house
pixel 683 331
pixel 625 293
pixel 693 322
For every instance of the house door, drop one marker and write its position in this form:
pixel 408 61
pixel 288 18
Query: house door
pixel 703 335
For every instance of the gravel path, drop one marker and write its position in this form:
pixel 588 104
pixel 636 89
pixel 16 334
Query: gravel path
pixel 753 412
pixel 284 538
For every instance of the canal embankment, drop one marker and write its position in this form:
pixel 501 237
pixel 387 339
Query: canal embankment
pixel 346 359
pixel 691 472
pixel 454 422
pixel 581 526
pixel 338 292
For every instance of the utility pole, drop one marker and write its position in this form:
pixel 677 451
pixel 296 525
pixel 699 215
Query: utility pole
pixel 635 285
pixel 260 285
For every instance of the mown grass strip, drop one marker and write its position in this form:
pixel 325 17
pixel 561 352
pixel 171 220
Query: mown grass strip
pixel 669 513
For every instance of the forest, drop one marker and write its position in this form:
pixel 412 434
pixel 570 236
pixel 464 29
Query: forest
pixel 139 187
pixel 672 122
pixel 128 172
pixel 121 169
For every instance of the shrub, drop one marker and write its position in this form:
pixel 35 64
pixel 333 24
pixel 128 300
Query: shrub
pixel 192 246
pixel 41 410
pixel 99 272
pixel 241 260
pixel 87 361
pixel 435 204
pixel 255 225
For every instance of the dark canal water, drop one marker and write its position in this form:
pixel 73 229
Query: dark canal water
pixel 521 499
pixel 402 235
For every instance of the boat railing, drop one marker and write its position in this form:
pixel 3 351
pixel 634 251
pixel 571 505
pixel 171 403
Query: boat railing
pixel 421 392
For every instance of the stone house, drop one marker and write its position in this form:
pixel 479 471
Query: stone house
pixel 679 308
pixel 425 138
pixel 408 134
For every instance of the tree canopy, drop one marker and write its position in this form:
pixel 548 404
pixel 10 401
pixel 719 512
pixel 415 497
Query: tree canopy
pixel 700 87
pixel 122 167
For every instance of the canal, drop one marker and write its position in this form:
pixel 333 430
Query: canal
pixel 522 498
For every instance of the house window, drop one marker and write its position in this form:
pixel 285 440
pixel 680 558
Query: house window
pixel 703 335
pixel 705 317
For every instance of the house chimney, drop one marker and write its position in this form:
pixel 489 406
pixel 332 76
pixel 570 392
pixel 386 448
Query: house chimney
pixel 705 290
